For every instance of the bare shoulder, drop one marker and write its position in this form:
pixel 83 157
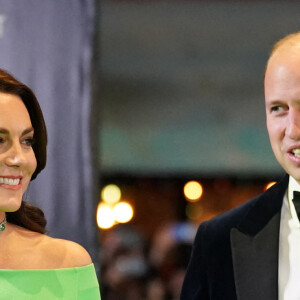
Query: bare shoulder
pixel 66 253
pixel 25 249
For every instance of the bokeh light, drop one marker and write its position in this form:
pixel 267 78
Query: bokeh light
pixel 105 216
pixel 268 185
pixel 193 191
pixel 111 194
pixel 123 212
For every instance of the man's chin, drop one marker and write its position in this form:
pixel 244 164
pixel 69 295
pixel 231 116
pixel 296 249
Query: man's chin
pixel 294 173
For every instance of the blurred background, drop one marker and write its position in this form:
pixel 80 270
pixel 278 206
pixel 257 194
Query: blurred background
pixel 156 121
pixel 182 133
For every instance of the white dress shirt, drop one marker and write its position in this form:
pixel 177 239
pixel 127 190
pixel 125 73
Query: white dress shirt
pixel 289 247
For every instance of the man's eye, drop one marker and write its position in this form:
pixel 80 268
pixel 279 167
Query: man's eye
pixel 277 108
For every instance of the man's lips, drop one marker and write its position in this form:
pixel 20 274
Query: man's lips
pixel 294 150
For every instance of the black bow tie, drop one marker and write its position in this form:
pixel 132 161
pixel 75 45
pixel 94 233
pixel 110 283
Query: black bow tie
pixel 296 201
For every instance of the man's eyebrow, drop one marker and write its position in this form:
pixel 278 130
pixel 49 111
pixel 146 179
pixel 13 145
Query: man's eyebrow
pixel 274 102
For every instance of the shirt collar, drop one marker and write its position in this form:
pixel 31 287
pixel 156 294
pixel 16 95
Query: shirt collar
pixel 293 186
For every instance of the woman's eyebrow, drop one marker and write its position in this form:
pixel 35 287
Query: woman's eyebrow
pixel 26 131
pixel 3 131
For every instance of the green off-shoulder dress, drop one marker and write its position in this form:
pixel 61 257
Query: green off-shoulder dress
pixel 79 283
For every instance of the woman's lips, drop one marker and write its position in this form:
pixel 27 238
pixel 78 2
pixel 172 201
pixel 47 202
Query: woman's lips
pixel 10 182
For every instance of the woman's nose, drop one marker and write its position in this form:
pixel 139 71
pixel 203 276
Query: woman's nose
pixel 15 155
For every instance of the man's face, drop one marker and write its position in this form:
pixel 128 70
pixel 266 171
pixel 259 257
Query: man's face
pixel 282 99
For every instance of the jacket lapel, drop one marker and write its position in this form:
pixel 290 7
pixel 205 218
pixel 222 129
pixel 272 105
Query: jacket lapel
pixel 255 260
pixel 254 245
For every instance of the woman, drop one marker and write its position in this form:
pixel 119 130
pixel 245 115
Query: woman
pixel 32 264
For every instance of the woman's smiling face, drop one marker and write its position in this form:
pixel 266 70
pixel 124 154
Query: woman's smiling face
pixel 17 159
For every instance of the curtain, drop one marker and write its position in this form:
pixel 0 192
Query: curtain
pixel 48 45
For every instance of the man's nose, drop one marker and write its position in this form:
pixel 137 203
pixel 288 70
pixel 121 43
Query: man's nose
pixel 293 124
pixel 15 155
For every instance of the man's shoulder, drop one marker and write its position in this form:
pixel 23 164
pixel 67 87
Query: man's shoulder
pixel 231 218
pixel 264 205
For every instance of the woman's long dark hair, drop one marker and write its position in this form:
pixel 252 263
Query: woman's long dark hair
pixel 28 216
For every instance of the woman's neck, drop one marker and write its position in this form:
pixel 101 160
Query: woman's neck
pixel 2 216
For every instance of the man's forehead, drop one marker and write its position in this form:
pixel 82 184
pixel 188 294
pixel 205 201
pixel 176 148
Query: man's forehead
pixel 286 51
pixel 283 60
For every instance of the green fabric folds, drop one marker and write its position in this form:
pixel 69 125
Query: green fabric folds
pixel 78 283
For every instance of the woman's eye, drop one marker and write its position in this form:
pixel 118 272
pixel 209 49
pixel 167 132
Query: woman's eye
pixel 28 142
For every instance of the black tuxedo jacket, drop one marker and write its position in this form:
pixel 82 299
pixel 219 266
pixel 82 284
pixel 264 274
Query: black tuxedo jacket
pixel 235 255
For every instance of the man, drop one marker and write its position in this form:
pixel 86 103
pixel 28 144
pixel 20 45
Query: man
pixel 253 251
